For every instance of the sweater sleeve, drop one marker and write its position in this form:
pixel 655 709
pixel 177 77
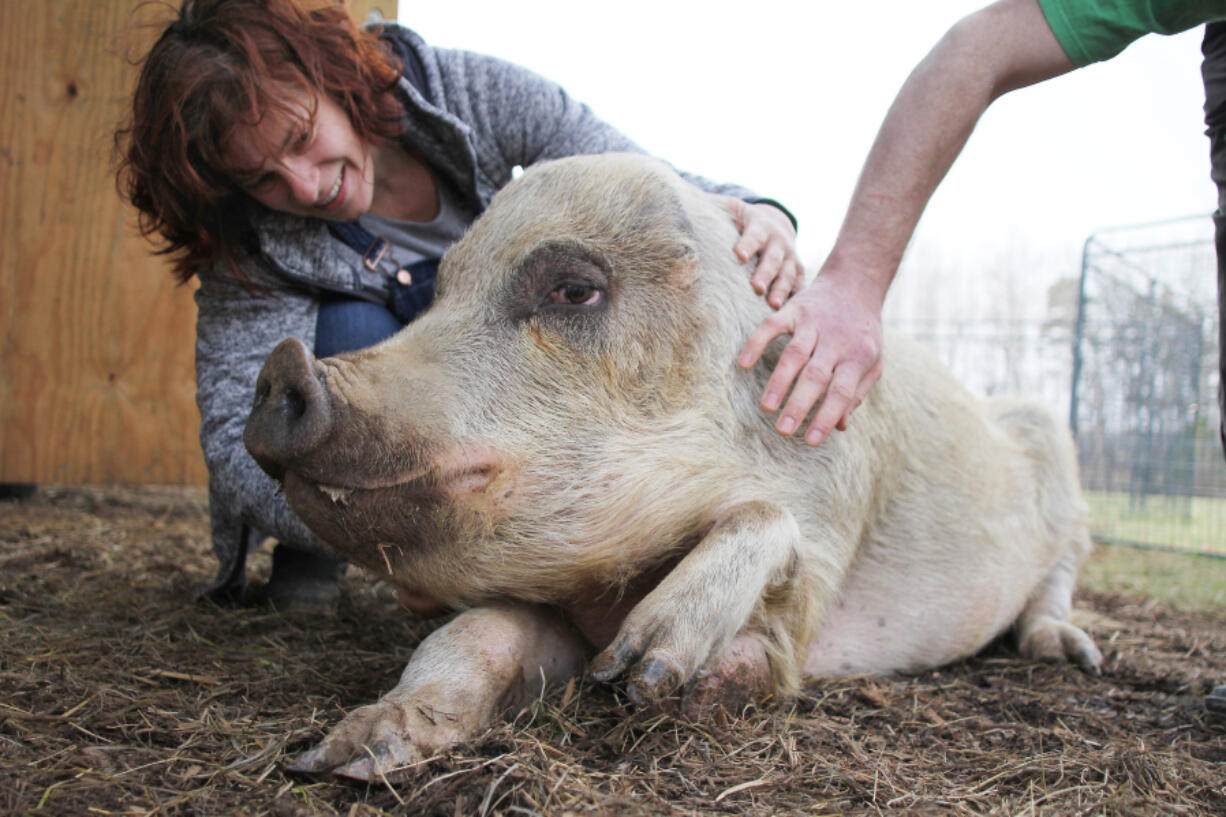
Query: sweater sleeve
pixel 235 331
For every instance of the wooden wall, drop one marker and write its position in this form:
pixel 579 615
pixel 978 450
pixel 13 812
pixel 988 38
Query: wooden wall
pixel 96 357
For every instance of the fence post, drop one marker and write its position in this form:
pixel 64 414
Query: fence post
pixel 1078 330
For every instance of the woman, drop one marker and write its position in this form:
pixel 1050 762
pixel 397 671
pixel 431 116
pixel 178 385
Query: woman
pixel 311 174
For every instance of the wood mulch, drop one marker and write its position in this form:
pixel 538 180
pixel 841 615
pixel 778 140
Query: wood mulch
pixel 118 695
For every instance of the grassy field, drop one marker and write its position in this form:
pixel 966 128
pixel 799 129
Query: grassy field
pixel 1195 523
pixel 1186 582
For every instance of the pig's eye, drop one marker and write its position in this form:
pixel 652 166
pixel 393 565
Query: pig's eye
pixel 573 292
pixel 562 282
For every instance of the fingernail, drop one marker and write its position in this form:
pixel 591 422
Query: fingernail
pixel 814 437
pixel 745 360
pixel 787 425
pixel 770 402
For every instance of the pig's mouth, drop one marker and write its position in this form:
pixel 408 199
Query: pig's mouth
pixel 341 494
pixel 417 513
pixel 457 476
pixel 465 481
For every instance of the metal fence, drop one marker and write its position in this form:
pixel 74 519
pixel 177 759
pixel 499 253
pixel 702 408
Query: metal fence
pixel 1130 347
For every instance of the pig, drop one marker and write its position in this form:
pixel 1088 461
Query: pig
pixel 563 449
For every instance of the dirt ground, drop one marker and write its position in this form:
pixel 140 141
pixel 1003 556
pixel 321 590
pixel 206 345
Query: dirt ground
pixel 118 695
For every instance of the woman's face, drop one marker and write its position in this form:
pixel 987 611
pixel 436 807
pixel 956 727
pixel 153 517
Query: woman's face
pixel 319 167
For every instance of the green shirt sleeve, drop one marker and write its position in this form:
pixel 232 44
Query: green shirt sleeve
pixel 1096 30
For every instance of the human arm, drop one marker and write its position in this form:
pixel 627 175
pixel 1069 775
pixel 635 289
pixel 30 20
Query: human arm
pixel 835 322
pixel 235 331
pixel 517 117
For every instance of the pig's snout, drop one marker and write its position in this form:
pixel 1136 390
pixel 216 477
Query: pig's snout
pixel 291 414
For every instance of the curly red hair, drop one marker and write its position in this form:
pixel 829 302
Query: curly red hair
pixel 224 64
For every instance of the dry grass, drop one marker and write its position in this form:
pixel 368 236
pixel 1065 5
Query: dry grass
pixel 119 696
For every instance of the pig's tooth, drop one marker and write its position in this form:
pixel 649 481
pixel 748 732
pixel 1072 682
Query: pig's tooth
pixel 340 495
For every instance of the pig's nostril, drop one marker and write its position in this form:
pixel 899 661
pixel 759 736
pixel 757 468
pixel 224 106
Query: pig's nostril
pixel 295 403
pixel 291 415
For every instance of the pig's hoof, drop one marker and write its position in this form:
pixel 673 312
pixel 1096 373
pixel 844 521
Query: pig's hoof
pixel 656 678
pixel 615 660
pixel 656 655
pixel 1052 640
pixel 380 741
pixel 372 742
pixel 383 759
pixel 651 677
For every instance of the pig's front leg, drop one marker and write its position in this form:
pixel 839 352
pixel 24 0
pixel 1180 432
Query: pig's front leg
pixel 746 571
pixel 465 674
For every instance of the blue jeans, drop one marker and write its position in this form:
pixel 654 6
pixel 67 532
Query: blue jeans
pixel 346 324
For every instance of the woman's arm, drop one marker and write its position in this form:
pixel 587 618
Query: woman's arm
pixel 235 331
pixel 519 117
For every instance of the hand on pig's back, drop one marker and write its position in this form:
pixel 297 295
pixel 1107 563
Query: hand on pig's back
pixel 765 231
pixel 832 358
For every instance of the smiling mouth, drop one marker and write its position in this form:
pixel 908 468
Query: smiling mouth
pixel 336 189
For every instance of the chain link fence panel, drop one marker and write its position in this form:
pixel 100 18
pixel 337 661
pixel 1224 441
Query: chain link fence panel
pixel 1129 349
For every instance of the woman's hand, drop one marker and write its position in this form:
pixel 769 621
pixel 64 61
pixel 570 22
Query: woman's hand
pixel 834 354
pixel 767 233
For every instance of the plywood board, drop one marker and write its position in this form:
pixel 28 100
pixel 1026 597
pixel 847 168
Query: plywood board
pixel 96 341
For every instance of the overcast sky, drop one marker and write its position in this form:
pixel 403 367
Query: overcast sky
pixel 785 96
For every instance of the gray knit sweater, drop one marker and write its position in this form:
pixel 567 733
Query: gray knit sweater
pixel 472 119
